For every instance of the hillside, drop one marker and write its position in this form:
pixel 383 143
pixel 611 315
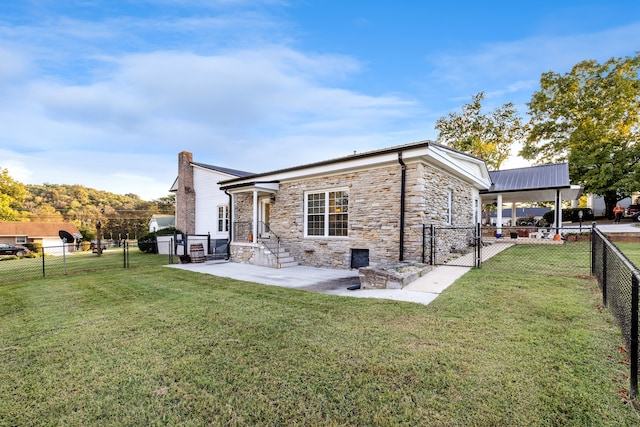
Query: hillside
pixel 119 214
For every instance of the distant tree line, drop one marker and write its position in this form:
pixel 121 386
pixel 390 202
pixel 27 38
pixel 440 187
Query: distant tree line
pixel 121 216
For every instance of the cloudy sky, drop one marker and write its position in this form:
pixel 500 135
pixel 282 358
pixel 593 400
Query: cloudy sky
pixel 106 93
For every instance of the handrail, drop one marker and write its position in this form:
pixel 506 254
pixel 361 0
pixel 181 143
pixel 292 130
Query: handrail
pixel 263 229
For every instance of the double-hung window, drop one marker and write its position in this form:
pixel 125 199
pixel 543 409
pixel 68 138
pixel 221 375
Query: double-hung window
pixel 327 213
pixel 223 219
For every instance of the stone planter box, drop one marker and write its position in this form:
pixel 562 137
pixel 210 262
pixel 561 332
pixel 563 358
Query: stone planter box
pixel 395 276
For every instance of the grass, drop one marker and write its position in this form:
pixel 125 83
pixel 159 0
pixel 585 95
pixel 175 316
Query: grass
pixel 13 269
pixel 159 346
pixel 631 251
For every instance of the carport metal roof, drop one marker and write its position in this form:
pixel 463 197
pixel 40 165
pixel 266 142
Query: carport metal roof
pixel 531 184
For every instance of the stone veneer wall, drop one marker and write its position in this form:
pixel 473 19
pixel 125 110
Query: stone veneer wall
pixel 242 216
pixel 429 199
pixel 374 213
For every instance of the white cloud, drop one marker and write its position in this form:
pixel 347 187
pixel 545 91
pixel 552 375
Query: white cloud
pixel 227 108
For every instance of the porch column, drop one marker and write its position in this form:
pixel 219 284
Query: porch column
pixel 499 216
pixel 558 212
pixel 513 214
pixel 254 230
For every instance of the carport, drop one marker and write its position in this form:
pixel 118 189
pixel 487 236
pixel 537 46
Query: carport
pixel 546 183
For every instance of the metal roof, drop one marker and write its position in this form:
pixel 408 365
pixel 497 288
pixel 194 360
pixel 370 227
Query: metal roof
pixel 531 184
pixel 234 172
pixel 531 178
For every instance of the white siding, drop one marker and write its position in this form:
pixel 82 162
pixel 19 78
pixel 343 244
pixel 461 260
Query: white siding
pixel 208 198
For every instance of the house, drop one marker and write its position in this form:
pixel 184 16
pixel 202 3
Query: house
pixel 363 209
pixel 202 208
pixel 159 222
pixel 44 233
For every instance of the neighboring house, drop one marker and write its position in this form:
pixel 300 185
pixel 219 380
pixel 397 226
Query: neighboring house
pixel 363 209
pixel 45 233
pixel 202 208
pixel 159 222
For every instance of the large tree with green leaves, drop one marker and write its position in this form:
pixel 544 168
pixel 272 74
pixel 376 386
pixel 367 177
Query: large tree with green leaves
pixel 486 136
pixel 590 118
pixel 12 194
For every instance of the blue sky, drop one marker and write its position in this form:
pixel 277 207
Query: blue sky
pixel 107 93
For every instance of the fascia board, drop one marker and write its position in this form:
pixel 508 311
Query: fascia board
pixel 269 187
pixel 444 159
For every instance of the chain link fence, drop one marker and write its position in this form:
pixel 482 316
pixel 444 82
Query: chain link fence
pixel 61 260
pixel 533 249
pixel 618 280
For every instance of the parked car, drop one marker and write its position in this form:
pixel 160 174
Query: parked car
pixel 7 249
pixel 632 211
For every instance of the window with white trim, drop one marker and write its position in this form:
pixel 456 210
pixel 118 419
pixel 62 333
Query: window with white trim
pixel 327 213
pixel 21 240
pixel 223 219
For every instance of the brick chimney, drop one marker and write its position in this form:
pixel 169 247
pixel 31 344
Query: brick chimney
pixel 186 195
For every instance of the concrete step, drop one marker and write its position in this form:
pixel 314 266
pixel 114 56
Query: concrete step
pixel 288 264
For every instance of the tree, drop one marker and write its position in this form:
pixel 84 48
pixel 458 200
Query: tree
pixel 486 136
pixel 590 118
pixel 12 194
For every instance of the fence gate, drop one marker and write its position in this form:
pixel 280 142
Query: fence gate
pixel 448 245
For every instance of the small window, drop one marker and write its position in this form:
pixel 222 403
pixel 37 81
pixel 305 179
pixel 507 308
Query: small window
pixel 450 207
pixel 21 240
pixel 223 219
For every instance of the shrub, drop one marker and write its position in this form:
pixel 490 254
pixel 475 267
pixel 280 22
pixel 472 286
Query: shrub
pixel 571 214
pixel 35 247
pixel 148 242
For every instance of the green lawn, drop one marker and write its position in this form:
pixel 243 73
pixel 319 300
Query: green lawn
pixel 12 269
pixel 631 251
pixel 159 346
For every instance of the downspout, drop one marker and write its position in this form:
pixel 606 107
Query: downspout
pixel 403 185
pixel 229 231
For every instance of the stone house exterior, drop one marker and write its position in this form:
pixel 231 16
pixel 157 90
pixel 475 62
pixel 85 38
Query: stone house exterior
pixel 364 209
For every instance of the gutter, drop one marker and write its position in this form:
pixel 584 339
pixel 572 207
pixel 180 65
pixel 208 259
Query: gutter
pixel 403 185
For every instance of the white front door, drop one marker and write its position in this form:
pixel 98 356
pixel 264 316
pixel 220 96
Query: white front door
pixel 264 216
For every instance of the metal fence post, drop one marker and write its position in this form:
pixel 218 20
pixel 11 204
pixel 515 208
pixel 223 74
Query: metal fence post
pixel 604 273
pixel 126 252
pixel 43 269
pixel 634 338
pixel 478 245
pixel 593 248
pixel 432 244
pixel 424 240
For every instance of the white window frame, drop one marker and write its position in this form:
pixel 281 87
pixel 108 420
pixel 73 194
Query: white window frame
pixel 326 213
pixel 21 240
pixel 222 222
